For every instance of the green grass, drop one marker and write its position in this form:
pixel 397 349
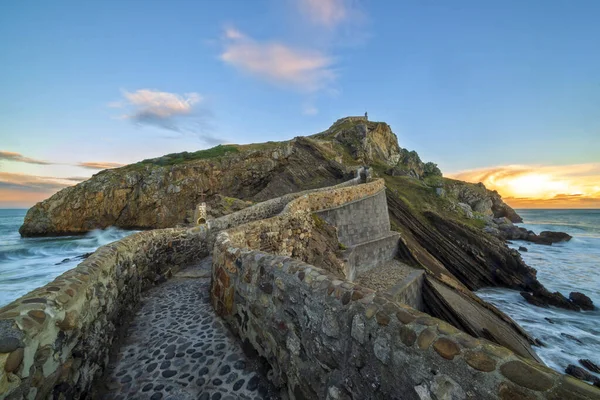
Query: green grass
pixel 178 158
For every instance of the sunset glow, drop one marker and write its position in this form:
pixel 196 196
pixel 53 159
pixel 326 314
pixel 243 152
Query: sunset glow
pixel 566 186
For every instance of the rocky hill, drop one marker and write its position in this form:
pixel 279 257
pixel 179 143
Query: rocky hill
pixel 442 221
pixel 162 192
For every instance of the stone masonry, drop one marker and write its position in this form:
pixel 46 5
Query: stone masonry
pixel 327 337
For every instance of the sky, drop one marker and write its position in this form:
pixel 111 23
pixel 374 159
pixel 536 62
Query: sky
pixel 504 92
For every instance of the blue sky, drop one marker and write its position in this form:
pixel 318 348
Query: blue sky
pixel 467 84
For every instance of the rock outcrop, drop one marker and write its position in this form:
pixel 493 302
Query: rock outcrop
pixel 161 192
pixel 486 202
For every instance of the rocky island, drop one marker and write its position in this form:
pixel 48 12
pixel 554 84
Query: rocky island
pixel 342 263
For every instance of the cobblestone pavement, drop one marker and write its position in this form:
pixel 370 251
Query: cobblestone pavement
pixel 177 348
pixel 385 276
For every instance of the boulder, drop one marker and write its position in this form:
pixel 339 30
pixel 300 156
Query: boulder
pixel 590 365
pixel 555 237
pixel 581 300
pixel 582 374
pixel 521 248
pixel 544 298
pixel 466 209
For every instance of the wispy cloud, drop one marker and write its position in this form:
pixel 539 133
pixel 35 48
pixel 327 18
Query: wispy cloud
pixel 33 183
pixel 23 190
pixel 541 185
pixel 99 165
pixel 161 109
pixel 328 13
pixel 300 69
pixel 18 157
pixel 309 109
pixel 12 156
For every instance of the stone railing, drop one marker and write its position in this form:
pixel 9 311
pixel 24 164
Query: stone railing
pixel 325 337
pixel 55 340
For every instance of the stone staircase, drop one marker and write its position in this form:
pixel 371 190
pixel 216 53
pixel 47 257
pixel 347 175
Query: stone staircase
pixel 363 228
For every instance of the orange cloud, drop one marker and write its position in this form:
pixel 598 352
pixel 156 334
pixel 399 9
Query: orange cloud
pixel 22 190
pixel 100 165
pixel 278 63
pixel 18 157
pixel 539 186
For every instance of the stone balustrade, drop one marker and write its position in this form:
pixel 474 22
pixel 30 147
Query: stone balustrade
pixel 55 341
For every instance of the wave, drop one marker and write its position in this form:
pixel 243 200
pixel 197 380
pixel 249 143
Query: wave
pixel 27 263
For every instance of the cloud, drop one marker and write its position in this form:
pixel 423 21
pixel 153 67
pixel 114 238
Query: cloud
pixel 161 109
pixel 12 156
pixel 33 183
pixel 309 109
pixel 300 69
pixel 100 165
pixel 328 13
pixel 22 190
pixel 576 185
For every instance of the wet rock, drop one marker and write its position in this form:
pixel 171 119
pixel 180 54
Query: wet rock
pixel 80 257
pixel 531 299
pixel 590 365
pixel 555 237
pixel 544 298
pixel 571 337
pixel 582 374
pixel 581 300
pixel 521 248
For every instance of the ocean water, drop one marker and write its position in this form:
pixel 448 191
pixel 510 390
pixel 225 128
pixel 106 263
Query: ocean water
pixel 565 267
pixel 26 264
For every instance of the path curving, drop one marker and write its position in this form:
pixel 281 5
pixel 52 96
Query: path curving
pixel 176 347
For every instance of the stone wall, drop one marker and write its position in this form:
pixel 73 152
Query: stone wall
pixel 55 340
pixel 360 221
pixel 366 256
pixel 268 208
pixel 326 337
pixel 410 290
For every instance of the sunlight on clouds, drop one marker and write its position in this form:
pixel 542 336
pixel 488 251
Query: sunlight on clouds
pixel 541 186
pixel 100 165
pixel 153 107
pixel 278 63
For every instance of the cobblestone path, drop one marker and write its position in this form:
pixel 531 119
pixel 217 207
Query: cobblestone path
pixel 177 348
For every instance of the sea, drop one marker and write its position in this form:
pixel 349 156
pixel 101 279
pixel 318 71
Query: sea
pixel 572 266
pixel 27 263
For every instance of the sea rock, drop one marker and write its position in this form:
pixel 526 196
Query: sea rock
pixel 531 299
pixel 590 365
pixel 555 237
pixel 582 300
pixel 544 298
pixel 571 337
pixel 521 248
pixel 582 374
